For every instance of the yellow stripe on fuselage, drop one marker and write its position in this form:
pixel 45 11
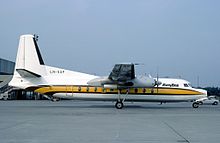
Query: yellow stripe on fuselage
pixel 89 89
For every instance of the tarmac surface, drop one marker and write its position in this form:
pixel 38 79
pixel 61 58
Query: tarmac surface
pixel 99 122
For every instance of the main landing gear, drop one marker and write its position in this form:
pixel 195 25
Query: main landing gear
pixel 120 102
pixel 119 105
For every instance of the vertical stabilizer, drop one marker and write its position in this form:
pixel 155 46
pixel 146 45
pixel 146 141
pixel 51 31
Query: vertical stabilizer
pixel 29 61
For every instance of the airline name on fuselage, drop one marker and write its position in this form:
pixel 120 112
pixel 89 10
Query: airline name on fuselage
pixel 170 85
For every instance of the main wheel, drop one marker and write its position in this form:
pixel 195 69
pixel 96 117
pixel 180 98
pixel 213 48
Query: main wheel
pixel 119 105
pixel 195 105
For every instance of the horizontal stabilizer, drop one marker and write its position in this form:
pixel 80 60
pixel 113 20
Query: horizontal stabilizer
pixel 26 73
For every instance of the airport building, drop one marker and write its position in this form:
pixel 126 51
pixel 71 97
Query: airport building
pixel 6 92
pixel 6 73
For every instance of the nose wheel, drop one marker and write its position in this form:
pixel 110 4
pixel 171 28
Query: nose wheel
pixel 119 105
pixel 195 105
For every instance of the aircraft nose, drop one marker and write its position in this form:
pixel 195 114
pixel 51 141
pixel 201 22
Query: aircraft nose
pixel 203 91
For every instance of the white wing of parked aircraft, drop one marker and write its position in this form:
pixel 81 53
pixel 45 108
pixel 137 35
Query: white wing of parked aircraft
pixel 121 85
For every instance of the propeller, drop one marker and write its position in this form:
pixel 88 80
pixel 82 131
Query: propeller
pixel 157 80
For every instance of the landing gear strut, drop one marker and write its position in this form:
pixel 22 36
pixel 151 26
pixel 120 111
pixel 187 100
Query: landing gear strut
pixel 119 103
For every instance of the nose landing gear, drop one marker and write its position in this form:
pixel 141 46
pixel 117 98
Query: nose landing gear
pixel 195 104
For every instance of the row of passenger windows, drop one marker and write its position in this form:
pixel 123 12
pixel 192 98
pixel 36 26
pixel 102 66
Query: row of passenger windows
pixel 87 89
pixel 95 89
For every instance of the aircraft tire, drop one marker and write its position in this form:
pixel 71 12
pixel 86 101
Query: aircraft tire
pixel 119 105
pixel 195 105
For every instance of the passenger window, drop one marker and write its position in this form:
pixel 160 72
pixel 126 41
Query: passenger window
pixel 186 85
pixel 95 89
pixel 144 90
pixel 79 89
pixel 152 91
pixel 135 90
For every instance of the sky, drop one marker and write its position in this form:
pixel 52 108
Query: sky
pixel 177 38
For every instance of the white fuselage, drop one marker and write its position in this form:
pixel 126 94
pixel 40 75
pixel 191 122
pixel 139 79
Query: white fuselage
pixel 60 83
pixel 32 74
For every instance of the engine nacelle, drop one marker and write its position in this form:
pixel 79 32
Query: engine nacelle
pixel 111 86
pixel 99 81
pixel 143 82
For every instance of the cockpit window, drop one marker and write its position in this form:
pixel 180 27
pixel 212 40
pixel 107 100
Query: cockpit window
pixel 186 85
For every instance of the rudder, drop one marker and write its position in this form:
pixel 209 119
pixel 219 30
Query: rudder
pixel 29 61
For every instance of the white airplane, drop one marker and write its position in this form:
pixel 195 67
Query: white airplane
pixel 121 85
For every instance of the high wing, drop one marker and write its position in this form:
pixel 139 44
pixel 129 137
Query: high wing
pixel 122 76
pixel 122 73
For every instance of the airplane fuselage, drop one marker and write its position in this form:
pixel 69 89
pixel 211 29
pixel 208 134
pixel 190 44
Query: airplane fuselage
pixel 121 85
pixel 61 83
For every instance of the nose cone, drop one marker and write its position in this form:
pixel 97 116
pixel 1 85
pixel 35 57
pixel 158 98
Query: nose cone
pixel 202 91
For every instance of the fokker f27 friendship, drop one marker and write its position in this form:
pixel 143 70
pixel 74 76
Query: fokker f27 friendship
pixel 121 85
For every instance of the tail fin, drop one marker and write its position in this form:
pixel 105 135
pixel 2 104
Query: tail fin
pixel 29 62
